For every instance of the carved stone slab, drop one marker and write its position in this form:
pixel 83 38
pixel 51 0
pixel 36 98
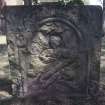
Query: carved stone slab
pixel 54 49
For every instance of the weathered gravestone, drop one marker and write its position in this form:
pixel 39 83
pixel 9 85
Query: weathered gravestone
pixel 54 50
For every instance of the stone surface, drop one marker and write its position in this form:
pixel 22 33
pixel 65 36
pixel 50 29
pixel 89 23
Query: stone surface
pixel 54 51
pixel 4 95
pixel 4 67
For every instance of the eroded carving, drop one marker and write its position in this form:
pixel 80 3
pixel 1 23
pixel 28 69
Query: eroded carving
pixel 55 57
pixel 50 55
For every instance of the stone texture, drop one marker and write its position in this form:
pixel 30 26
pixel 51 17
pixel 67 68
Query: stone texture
pixel 54 51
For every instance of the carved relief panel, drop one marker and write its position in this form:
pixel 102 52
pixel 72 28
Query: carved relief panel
pixel 51 49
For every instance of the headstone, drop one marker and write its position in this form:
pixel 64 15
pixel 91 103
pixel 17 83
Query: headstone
pixel 54 50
